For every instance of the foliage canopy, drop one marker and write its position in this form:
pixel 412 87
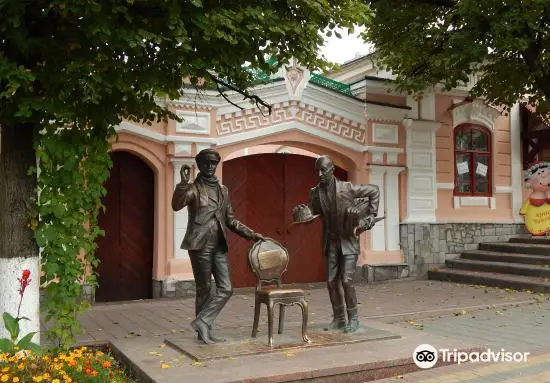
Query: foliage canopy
pixel 93 62
pixel 506 43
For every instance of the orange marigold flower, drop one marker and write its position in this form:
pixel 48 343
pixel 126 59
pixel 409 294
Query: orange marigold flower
pixel 88 371
pixel 72 362
pixel 106 364
pixel 87 362
pixel 95 373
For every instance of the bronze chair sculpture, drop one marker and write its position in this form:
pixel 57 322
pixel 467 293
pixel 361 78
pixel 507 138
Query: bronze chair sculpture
pixel 268 261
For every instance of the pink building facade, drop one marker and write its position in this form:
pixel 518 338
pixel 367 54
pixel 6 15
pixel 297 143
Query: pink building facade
pixel 449 170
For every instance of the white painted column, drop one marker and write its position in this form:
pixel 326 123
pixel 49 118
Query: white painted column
pixel 12 268
pixel 516 161
pixel 421 170
pixel 181 217
pixel 392 207
pixel 378 232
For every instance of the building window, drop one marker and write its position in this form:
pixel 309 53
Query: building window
pixel 472 161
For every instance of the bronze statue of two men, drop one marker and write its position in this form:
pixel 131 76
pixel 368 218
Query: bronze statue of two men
pixel 210 213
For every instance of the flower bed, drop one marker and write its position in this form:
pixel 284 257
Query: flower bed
pixel 79 365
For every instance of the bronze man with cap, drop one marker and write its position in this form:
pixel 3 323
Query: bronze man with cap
pixel 336 202
pixel 210 212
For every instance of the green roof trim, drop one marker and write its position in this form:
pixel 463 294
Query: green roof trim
pixel 325 82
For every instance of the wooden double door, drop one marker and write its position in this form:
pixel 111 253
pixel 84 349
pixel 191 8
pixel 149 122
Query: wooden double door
pixel 126 251
pixel 264 189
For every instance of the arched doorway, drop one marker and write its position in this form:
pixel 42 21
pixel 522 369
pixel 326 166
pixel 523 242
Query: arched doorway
pixel 264 188
pixel 126 250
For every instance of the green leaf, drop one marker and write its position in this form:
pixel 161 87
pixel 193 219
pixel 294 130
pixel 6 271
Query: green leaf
pixel 12 325
pixel 6 345
pixel 25 341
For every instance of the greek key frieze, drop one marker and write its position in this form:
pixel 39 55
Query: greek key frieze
pixel 314 117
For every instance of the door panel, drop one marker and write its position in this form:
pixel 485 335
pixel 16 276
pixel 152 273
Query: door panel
pixel 264 189
pixel 126 251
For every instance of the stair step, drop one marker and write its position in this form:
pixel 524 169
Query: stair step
pixel 518 282
pixel 522 248
pixel 532 240
pixel 500 267
pixel 495 256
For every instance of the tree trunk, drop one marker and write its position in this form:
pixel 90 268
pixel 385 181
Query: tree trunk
pixel 18 249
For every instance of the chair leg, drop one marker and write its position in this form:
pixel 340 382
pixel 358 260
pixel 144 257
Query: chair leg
pixel 281 318
pixel 270 307
pixel 304 306
pixel 257 307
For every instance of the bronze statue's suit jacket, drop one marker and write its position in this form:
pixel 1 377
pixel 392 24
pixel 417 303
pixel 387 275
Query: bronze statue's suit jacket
pixel 203 216
pixel 346 193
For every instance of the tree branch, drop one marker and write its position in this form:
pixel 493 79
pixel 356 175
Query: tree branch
pixel 246 96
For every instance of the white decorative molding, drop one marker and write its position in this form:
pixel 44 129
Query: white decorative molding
pixel 391 158
pixel 384 149
pixel 460 201
pixel 378 232
pixel 516 162
pixel 385 133
pixel 413 104
pixel 427 106
pixel 421 170
pixel 378 112
pixel 183 148
pixel 202 146
pixel 290 126
pixel 392 207
pixel 421 160
pixel 476 112
pixel 296 79
pixel 318 118
pixel 333 102
pixel 422 182
pixel 378 158
pixel 193 122
pixel 445 185
pixel 504 189
pixel 250 135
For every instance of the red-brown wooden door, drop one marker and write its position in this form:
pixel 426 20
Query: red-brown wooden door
pixel 126 251
pixel 264 189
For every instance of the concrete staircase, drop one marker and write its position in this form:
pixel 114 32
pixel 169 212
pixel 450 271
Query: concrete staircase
pixel 522 263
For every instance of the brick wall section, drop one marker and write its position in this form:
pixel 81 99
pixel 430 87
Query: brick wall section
pixel 426 246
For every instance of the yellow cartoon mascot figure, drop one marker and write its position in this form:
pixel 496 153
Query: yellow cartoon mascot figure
pixel 536 209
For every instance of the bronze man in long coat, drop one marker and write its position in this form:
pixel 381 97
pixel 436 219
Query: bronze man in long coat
pixel 210 213
pixel 335 201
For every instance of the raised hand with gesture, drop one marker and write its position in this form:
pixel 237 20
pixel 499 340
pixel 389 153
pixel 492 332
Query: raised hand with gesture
pixel 185 174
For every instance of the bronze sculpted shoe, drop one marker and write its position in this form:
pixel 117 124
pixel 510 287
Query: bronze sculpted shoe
pixel 203 331
pixel 213 337
pixel 353 324
pixel 339 321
